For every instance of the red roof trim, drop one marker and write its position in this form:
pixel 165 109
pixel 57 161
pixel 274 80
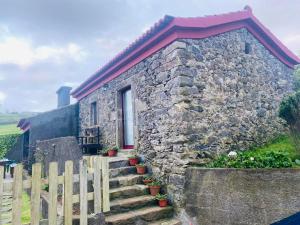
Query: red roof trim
pixel 170 29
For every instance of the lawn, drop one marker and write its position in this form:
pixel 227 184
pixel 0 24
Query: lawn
pixel 9 129
pixel 280 153
pixel 283 144
pixel 25 218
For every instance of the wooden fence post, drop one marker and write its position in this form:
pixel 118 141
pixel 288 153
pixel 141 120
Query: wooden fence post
pixel 17 195
pixel 1 188
pixel 52 209
pixel 35 194
pixel 105 183
pixel 83 191
pixel 97 185
pixel 68 193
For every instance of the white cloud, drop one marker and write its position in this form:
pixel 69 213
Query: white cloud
pixel 112 46
pixel 293 42
pixel 2 97
pixel 20 51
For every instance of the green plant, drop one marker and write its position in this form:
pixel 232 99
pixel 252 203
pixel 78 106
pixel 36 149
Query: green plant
pixel 148 177
pixel 290 111
pixel 116 148
pixel 132 156
pixel 46 187
pixel 161 196
pixel 251 160
pixel 6 143
pixel 154 183
pixel 141 165
pixel 297 79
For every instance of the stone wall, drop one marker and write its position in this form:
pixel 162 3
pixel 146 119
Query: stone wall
pixel 192 96
pixel 56 123
pixel 240 196
pixel 58 150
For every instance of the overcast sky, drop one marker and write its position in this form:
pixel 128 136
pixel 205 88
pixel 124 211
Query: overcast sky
pixel 48 43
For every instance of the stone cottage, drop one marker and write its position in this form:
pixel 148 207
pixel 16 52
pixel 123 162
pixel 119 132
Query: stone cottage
pixel 209 83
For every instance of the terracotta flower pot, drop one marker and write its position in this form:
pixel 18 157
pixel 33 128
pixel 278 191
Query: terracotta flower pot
pixel 140 169
pixel 154 190
pixel 163 202
pixel 112 152
pixel 147 181
pixel 133 161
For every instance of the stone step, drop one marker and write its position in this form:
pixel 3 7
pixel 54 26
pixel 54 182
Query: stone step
pixel 125 205
pixel 127 180
pixel 146 214
pixel 117 162
pixel 172 221
pixel 128 191
pixel 122 171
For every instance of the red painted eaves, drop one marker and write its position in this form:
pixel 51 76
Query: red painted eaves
pixel 170 29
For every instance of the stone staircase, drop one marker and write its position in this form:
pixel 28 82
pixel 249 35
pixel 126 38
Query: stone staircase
pixel 131 202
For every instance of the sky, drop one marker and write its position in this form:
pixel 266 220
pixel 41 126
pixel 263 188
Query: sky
pixel 45 44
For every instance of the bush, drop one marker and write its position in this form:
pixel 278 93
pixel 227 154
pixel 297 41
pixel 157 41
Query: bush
pixel 6 143
pixel 251 160
pixel 290 111
pixel 297 79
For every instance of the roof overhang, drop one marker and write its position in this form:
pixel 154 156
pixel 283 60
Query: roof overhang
pixel 24 125
pixel 169 29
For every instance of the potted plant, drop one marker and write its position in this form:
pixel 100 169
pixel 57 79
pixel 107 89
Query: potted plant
pixel 154 187
pixel 133 160
pixel 113 151
pixel 105 152
pixel 162 200
pixel 140 168
pixel 147 179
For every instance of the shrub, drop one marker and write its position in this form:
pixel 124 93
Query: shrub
pixel 251 160
pixel 290 111
pixel 6 143
pixel 297 79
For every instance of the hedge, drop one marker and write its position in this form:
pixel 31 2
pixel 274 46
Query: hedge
pixel 6 143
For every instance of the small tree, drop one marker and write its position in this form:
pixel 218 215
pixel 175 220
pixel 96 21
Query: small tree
pixel 290 112
pixel 297 79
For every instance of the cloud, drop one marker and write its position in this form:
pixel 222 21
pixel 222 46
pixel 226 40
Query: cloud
pixel 21 52
pixel 293 42
pixel 45 44
pixel 2 97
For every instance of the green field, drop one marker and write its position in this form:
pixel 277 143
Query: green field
pixel 9 121
pixel 13 118
pixel 9 129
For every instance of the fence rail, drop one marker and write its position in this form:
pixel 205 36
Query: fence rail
pixel 98 175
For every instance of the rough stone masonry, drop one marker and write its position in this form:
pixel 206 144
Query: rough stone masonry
pixel 196 95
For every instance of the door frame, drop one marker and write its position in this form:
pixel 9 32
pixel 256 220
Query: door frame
pixel 123 124
pixel 120 122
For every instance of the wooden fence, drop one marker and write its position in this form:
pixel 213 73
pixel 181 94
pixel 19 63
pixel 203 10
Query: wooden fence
pixel 99 177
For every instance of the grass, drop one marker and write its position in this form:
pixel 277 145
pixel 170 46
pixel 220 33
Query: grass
pixel 25 218
pixel 9 129
pixel 25 211
pixel 280 153
pixel 283 144
pixel 13 118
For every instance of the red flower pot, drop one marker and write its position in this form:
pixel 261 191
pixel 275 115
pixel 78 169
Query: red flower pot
pixel 141 169
pixel 147 181
pixel 163 202
pixel 154 190
pixel 133 161
pixel 112 152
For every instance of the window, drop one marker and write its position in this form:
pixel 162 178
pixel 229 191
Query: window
pixel 94 113
pixel 247 48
